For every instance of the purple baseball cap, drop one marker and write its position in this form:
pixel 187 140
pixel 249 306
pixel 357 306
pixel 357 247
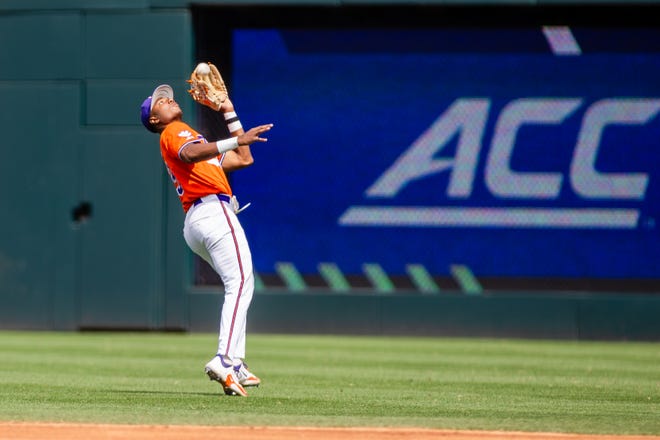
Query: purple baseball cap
pixel 162 91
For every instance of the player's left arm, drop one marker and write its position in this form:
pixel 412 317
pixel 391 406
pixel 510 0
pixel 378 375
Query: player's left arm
pixel 240 157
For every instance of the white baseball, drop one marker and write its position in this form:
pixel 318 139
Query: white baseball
pixel 203 69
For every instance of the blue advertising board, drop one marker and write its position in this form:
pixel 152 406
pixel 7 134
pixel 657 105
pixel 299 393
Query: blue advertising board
pixel 517 152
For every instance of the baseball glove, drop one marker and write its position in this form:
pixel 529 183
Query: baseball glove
pixel 207 86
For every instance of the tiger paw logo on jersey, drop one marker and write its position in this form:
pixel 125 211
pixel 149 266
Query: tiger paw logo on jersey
pixel 186 134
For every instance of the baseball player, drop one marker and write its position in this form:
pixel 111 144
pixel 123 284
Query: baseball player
pixel 211 229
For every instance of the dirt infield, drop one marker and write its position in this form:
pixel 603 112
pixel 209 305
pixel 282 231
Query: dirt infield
pixel 67 431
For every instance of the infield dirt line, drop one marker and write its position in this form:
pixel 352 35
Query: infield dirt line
pixel 83 431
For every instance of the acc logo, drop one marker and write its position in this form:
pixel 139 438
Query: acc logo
pixel 467 119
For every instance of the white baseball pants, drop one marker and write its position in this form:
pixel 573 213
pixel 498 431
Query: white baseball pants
pixel 212 230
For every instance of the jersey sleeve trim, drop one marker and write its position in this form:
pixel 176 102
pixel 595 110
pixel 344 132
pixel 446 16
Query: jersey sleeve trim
pixel 196 141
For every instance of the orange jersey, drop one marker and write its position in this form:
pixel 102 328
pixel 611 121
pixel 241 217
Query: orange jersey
pixel 191 180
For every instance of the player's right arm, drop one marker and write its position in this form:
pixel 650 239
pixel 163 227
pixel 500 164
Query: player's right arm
pixel 197 152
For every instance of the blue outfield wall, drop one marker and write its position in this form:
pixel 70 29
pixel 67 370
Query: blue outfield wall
pixel 524 154
pixel 488 148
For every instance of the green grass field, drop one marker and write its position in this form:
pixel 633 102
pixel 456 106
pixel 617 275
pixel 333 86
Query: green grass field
pixel 154 378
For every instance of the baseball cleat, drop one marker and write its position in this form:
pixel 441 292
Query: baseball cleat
pixel 217 371
pixel 245 377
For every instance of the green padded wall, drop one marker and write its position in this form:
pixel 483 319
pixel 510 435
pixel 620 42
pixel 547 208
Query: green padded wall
pixel 71 84
pixel 40 181
pixel 505 315
pixel 123 249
